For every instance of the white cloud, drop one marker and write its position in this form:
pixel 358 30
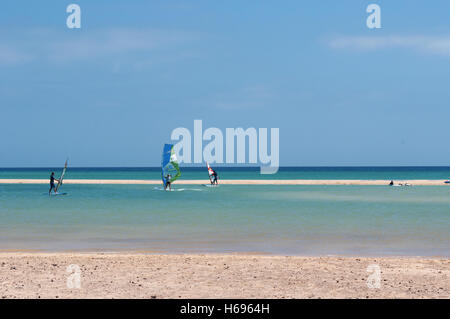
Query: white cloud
pixel 10 56
pixel 47 45
pixel 113 42
pixel 250 97
pixel 429 44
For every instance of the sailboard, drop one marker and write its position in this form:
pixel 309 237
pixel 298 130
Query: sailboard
pixel 169 165
pixel 62 177
pixel 56 194
pixel 210 185
pixel 402 185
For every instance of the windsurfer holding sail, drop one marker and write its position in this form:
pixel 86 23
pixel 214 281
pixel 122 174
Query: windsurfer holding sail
pixel 168 182
pixel 170 170
pixel 52 183
pixel 212 175
pixel 214 178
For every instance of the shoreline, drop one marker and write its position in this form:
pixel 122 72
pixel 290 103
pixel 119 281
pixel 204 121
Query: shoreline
pixel 138 275
pixel 230 182
pixel 144 252
pixel 163 252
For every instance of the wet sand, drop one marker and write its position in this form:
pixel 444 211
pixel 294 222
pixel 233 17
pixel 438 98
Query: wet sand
pixel 231 182
pixel 139 275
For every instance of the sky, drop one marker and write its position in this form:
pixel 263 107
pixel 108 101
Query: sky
pixel 111 92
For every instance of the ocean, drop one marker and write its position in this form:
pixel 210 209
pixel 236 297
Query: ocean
pixel 284 219
pixel 388 173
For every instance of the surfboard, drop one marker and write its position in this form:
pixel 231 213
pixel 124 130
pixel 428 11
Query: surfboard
pixel 210 185
pixel 57 194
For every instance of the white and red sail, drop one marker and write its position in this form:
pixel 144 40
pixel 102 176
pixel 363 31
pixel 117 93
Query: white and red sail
pixel 210 170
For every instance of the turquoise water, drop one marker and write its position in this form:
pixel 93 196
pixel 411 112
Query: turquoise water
pixel 386 173
pixel 294 220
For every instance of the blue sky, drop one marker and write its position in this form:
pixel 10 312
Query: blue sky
pixel 110 93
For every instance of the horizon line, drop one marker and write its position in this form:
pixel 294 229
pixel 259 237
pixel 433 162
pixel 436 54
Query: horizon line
pixel 243 166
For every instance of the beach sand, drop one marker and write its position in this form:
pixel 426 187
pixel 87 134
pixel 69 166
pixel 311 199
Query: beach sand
pixel 232 182
pixel 139 275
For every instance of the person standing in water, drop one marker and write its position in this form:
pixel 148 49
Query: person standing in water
pixel 52 183
pixel 214 179
pixel 168 183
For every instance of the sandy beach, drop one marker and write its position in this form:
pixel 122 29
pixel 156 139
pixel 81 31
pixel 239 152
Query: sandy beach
pixel 139 275
pixel 232 182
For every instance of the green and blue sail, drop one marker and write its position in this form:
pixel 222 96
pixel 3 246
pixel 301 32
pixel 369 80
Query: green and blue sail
pixel 169 165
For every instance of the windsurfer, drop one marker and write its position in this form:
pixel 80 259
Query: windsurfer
pixel 214 178
pixel 52 183
pixel 168 182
